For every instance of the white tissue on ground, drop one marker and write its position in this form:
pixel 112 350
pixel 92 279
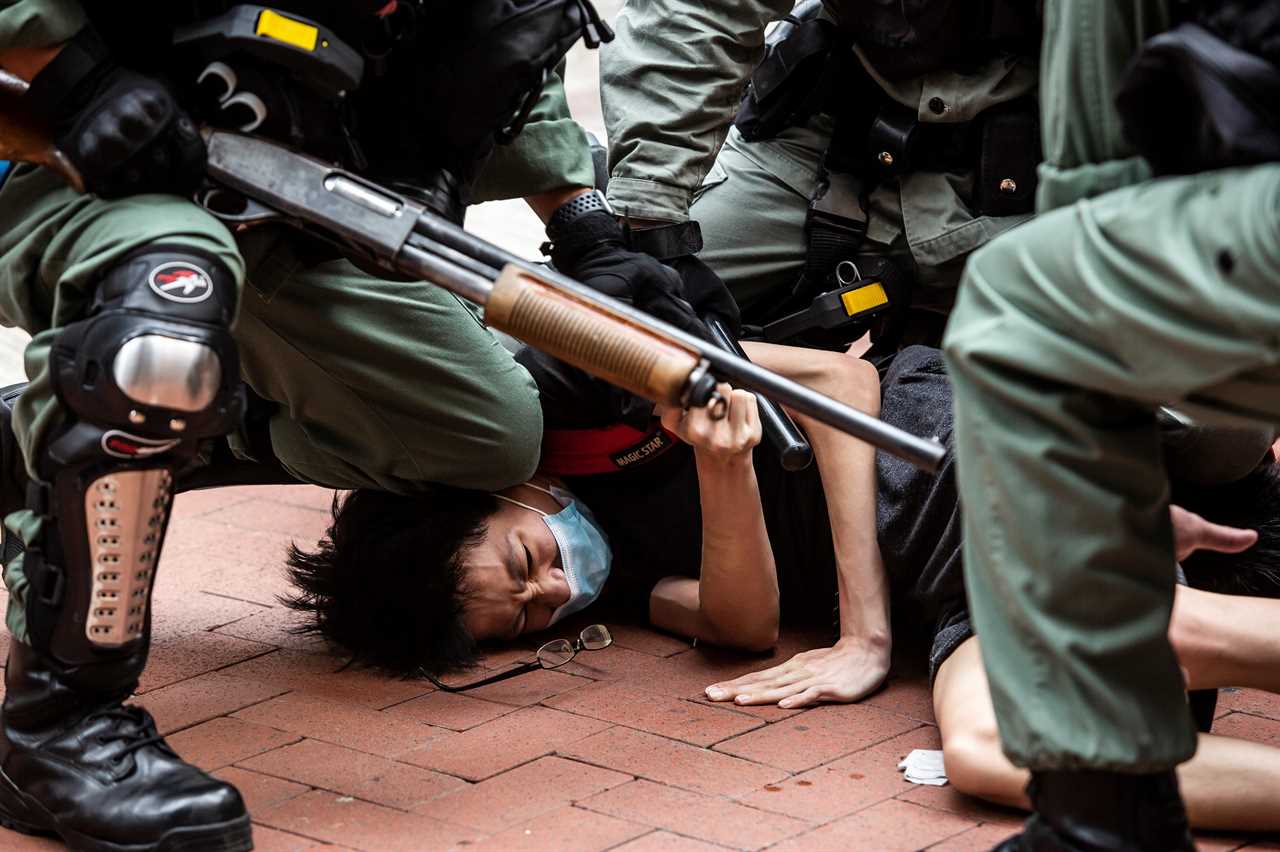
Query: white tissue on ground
pixel 924 766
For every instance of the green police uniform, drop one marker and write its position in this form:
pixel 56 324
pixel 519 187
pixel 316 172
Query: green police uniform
pixel 1125 294
pixel 671 85
pixel 146 313
pixel 378 383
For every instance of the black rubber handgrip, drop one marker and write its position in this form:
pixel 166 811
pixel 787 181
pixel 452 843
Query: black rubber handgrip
pixel 779 429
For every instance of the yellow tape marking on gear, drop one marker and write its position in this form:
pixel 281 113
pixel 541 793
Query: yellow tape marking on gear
pixel 864 298
pixel 274 25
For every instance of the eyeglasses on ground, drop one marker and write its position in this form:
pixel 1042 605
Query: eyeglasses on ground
pixel 552 655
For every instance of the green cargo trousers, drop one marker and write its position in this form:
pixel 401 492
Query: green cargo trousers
pixel 378 383
pixel 753 203
pixel 1066 335
pixel 1068 331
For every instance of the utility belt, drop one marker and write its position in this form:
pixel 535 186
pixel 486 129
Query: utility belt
pixel 810 68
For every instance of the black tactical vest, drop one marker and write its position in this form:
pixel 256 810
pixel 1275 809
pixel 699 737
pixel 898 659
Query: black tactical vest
pixel 907 38
pixel 442 78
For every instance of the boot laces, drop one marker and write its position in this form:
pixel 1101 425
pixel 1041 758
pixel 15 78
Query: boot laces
pixel 132 726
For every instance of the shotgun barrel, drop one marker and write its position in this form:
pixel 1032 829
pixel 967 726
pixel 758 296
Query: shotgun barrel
pixel 540 306
pixel 605 337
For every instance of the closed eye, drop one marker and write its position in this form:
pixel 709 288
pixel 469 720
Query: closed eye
pixel 524 610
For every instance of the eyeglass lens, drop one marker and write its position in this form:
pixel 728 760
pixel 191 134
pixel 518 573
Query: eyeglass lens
pixel 555 653
pixel 596 638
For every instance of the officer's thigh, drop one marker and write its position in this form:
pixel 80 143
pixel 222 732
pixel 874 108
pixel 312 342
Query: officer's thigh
pixel 56 245
pixel 381 383
pixel 752 207
pixel 1164 292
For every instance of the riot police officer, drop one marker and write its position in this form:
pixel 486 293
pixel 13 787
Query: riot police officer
pixel 148 314
pixel 876 142
pixel 1151 279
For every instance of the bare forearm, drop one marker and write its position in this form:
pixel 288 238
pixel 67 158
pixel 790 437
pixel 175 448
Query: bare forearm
pixel 1226 640
pixel 738 585
pixel 848 468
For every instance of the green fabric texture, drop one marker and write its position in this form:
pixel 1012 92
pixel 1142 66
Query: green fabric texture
pixel 550 153
pixel 401 382
pixel 1067 333
pixel 379 383
pixel 26 525
pixel 669 104
pixel 753 201
pixel 39 23
pixel 670 100
pixel 1086 49
pixel 670 85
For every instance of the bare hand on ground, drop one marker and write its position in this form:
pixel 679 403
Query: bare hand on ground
pixel 850 670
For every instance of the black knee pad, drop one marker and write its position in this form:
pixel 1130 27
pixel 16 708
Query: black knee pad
pixel 154 359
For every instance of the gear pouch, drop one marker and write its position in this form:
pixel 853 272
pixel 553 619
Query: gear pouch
pixel 1009 153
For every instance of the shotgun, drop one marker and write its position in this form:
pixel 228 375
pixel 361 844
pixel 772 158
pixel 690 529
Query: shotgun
pixel 252 180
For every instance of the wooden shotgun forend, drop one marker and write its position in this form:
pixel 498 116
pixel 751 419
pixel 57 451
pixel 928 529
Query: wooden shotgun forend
pixel 582 335
pixel 23 140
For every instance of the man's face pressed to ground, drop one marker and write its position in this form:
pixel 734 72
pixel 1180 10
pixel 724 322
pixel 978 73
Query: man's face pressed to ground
pixel 514 579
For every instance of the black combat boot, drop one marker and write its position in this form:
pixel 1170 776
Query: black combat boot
pixel 76 762
pixel 1091 811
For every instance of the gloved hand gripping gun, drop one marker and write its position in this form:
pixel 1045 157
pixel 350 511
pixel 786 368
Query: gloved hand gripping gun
pixel 545 309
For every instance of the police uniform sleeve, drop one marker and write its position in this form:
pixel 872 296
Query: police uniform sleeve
pixel 551 153
pixel 670 86
pixel 39 23
pixel 1087 48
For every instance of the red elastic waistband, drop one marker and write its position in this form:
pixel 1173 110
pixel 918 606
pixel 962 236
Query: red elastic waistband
pixel 583 452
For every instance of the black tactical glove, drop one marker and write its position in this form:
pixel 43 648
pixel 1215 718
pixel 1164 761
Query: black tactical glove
pixel 704 290
pixel 593 251
pixel 677 245
pixel 123 131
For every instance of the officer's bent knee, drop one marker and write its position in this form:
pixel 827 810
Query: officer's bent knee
pixel 155 354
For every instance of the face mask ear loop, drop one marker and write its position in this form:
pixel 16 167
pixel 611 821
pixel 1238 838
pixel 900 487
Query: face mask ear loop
pixel 546 491
pixel 521 505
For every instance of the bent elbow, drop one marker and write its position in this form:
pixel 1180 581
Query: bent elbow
pixel 759 641
pixel 757 637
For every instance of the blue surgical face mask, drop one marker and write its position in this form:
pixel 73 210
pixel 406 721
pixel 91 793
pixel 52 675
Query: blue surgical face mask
pixel 584 550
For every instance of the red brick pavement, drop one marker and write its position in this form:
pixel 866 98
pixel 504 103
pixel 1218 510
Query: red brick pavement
pixel 618 751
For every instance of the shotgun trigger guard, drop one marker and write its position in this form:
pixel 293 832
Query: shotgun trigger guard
pixel 233 208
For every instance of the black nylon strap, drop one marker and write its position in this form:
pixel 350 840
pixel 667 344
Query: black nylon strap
pixel 667 242
pixel 827 247
pixel 57 90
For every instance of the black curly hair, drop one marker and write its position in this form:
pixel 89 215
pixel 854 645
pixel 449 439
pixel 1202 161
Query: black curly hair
pixel 386 582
